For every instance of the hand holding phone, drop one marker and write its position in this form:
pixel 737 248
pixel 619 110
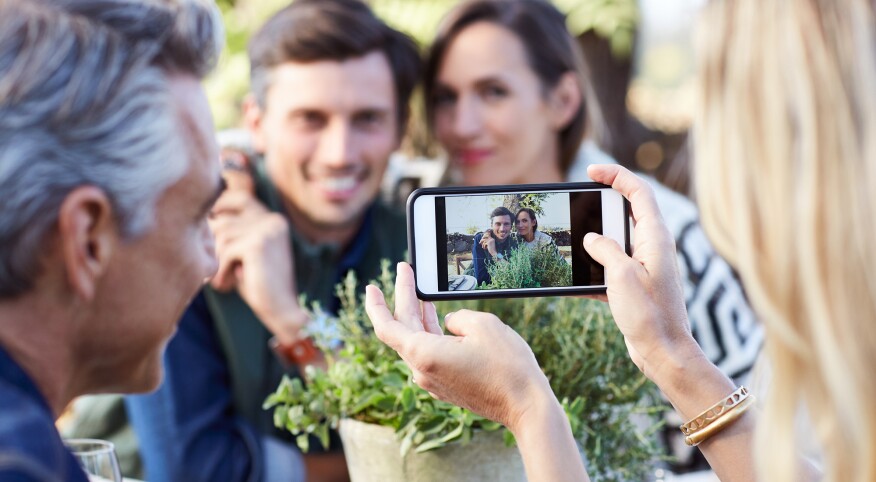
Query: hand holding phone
pixel 506 241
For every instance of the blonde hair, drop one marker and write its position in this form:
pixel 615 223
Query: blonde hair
pixel 786 177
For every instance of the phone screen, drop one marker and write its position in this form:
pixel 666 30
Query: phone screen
pixel 517 240
pixel 506 241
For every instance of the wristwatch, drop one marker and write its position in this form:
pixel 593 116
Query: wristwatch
pixel 500 256
pixel 301 352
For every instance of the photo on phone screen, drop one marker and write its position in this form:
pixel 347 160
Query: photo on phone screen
pixel 518 240
pixel 511 241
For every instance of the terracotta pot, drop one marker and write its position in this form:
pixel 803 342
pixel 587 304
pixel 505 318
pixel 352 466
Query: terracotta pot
pixel 373 455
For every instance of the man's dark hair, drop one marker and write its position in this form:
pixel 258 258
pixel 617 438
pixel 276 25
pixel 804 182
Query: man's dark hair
pixel 314 30
pixel 532 217
pixel 502 211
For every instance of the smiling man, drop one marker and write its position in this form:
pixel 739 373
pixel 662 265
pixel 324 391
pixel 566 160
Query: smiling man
pixel 493 245
pixel 330 91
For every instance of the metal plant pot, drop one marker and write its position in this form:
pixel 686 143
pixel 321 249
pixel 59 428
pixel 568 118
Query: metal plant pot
pixel 373 455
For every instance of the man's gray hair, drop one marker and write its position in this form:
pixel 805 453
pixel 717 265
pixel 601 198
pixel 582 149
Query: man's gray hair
pixel 84 100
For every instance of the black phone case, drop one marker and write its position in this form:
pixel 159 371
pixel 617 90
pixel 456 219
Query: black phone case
pixel 504 189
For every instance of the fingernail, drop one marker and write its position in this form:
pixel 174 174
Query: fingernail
pixel 447 315
pixel 589 238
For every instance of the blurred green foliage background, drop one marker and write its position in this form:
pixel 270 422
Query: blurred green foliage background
pixel 613 20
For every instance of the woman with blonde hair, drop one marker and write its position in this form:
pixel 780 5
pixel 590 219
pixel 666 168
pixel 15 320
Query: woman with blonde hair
pixel 785 139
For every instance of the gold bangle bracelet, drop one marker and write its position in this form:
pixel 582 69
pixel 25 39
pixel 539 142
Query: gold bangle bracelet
pixel 714 412
pixel 720 423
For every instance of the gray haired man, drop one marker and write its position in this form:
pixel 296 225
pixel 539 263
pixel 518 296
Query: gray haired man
pixel 107 174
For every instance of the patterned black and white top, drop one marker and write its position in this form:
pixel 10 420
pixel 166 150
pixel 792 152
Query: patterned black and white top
pixel 721 319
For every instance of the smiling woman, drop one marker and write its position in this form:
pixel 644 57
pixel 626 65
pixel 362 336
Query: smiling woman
pixel 482 90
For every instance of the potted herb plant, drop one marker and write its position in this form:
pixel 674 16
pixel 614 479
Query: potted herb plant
pixel 368 393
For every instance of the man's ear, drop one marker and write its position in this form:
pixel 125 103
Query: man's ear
pixel 565 101
pixel 87 235
pixel 402 128
pixel 253 117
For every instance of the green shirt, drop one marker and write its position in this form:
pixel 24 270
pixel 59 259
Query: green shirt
pixel 254 371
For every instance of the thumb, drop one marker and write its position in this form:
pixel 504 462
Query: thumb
pixel 387 328
pixel 604 250
pixel 464 323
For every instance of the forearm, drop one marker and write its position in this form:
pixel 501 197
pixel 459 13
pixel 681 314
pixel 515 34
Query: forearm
pixel 477 260
pixel 286 324
pixel 545 440
pixel 692 384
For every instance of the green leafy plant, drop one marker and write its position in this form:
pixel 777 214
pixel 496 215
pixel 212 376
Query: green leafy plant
pixel 574 340
pixel 514 202
pixel 367 381
pixel 541 267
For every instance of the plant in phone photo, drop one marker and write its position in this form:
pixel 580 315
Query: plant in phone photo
pixel 539 267
pixel 366 384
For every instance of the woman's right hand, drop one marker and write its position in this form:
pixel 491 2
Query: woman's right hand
pixel 644 291
pixel 647 301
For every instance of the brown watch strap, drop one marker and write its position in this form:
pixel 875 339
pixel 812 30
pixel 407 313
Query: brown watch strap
pixel 302 352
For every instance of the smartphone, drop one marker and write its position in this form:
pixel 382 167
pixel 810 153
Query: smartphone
pixel 511 241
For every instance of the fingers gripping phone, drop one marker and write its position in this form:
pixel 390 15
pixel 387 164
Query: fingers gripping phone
pixel 511 241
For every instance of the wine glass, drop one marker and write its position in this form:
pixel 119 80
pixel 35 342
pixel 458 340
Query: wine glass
pixel 97 458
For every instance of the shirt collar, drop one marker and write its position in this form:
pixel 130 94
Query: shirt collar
pixel 349 257
pixel 13 374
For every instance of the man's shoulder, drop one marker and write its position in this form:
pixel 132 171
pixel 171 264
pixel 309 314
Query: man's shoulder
pixel 389 228
pixel 385 215
pixel 30 446
pixel 18 411
pixel 476 241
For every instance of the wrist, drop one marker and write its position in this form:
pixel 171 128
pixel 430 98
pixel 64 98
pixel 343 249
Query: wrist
pixel 547 445
pixel 286 324
pixel 544 419
pixel 538 405
pixel 690 381
pixel 300 353
pixel 666 364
